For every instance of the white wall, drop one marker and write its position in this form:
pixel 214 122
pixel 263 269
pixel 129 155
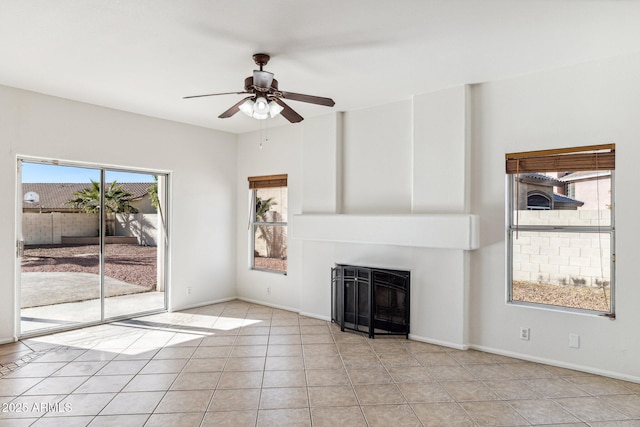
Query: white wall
pixel 437 291
pixel 280 154
pixel 361 162
pixel 377 159
pixel 459 297
pixel 440 151
pixel 322 164
pixel 203 184
pixel 593 103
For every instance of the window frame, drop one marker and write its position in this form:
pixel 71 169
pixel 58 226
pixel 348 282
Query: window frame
pixel 513 227
pixel 255 184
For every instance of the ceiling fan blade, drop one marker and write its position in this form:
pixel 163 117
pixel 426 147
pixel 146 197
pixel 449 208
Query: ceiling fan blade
pixel 231 111
pixel 262 79
pixel 214 94
pixel 288 112
pixel 328 102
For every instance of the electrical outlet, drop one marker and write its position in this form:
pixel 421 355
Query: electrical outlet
pixel 524 334
pixel 574 341
pixel 189 290
pixel 268 290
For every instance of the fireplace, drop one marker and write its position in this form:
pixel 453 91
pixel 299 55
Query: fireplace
pixel 371 300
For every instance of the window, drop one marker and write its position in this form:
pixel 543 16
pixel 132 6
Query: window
pixel 561 229
pixel 538 201
pixel 571 190
pixel 268 223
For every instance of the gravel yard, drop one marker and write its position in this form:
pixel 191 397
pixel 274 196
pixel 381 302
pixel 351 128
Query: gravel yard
pixel 129 263
pixel 265 263
pixel 568 296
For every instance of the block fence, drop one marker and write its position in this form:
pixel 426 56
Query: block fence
pixel 563 258
pixel 48 228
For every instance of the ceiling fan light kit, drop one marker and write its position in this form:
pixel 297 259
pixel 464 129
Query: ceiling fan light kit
pixel 247 107
pixel 274 109
pixel 260 105
pixel 265 99
pixel 260 109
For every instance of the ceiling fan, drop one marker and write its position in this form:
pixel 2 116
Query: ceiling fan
pixel 265 99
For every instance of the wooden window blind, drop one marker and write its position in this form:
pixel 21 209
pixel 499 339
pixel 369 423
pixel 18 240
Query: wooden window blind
pixel 268 181
pixel 588 158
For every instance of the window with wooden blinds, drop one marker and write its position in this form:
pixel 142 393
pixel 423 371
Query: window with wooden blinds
pixel 269 181
pixel 561 229
pixel 588 158
pixel 268 213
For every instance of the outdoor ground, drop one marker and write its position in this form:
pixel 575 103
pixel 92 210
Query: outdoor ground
pixel 270 263
pixel 568 296
pixel 129 263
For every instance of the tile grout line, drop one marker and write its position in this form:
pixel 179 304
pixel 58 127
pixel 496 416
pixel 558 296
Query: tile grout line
pixel 8 368
pixel 344 366
pixel 387 360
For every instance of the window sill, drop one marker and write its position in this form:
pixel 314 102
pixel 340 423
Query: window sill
pixel 282 273
pixel 560 309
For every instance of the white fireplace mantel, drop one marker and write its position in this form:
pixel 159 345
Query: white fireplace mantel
pixel 442 231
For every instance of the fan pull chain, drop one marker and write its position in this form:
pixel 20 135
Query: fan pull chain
pixel 264 132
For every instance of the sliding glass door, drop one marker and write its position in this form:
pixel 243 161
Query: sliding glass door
pixel 60 268
pixel 134 231
pixel 91 244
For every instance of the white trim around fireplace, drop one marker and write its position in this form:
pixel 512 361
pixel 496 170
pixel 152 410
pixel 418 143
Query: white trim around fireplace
pixel 442 231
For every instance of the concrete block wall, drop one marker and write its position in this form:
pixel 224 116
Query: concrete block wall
pixel 77 224
pixel 563 258
pixel 37 229
pixel 589 218
pixel 144 227
pixel 48 228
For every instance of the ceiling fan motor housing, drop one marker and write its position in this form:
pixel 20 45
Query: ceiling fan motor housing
pixel 249 86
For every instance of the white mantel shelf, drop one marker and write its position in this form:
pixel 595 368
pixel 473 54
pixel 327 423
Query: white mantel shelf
pixel 442 231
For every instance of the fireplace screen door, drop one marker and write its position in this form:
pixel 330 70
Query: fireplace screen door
pixel 375 301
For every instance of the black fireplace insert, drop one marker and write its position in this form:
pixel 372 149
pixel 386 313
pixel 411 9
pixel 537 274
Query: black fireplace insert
pixel 371 300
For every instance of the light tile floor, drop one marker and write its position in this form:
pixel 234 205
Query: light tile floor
pixel 240 364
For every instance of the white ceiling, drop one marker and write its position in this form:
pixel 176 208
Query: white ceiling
pixel 143 56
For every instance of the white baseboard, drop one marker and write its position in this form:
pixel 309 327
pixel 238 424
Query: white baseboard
pixel 200 304
pixel 315 316
pixel 551 362
pixel 280 307
pixel 8 340
pixel 439 342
